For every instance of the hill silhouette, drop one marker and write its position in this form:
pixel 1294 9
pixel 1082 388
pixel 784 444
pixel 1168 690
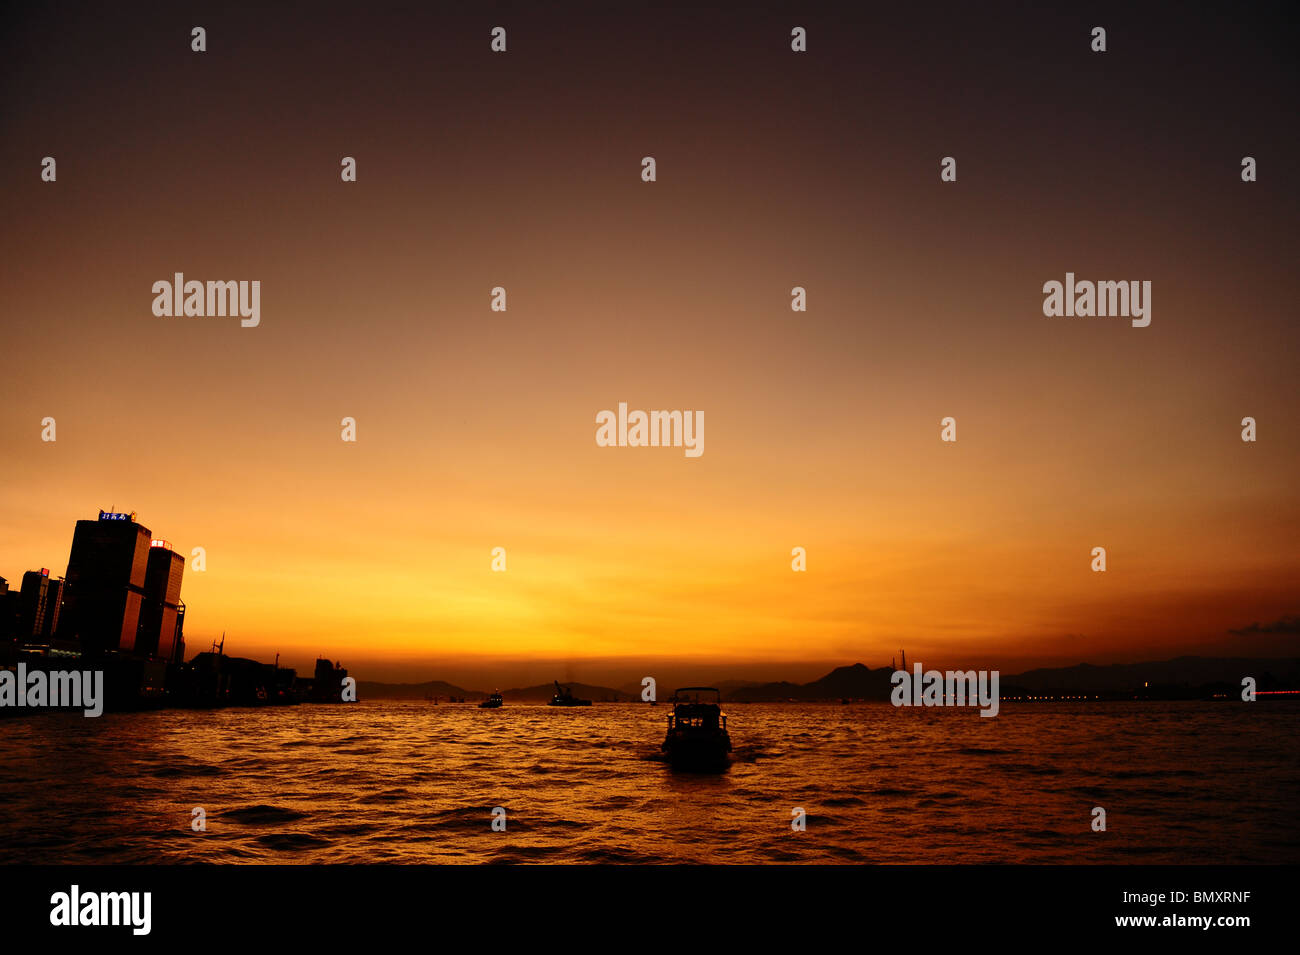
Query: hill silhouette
pixel 854 682
pixel 372 690
pixel 544 691
pixel 1185 675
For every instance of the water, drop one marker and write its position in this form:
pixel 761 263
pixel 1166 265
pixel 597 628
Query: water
pixel 413 782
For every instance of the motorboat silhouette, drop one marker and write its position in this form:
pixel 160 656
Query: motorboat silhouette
pixel 492 702
pixel 564 697
pixel 697 730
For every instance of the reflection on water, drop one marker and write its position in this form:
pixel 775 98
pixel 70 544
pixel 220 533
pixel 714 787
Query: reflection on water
pixel 413 782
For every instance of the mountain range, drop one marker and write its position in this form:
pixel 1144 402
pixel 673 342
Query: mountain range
pixel 1183 676
pixel 438 688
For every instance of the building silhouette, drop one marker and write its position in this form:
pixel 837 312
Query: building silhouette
pixel 161 613
pixel 39 605
pixel 104 586
pixel 31 604
pixel 8 613
pixel 53 609
pixel 119 608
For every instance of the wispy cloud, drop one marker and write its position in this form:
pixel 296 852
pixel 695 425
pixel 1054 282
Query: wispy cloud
pixel 1290 623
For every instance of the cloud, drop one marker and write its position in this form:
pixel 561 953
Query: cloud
pixel 1287 624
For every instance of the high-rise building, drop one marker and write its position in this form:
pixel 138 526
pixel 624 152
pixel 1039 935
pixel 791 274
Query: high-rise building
pixel 104 586
pixel 8 611
pixel 53 608
pixel 32 603
pixel 162 595
pixel 178 650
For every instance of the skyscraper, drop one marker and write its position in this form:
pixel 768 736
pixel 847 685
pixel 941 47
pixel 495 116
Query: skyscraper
pixel 32 604
pixel 53 608
pixel 8 611
pixel 162 594
pixel 105 583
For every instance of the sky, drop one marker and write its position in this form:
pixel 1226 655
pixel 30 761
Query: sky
pixel 475 428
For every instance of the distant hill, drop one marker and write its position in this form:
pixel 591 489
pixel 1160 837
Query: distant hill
pixel 726 687
pixel 1181 671
pixel 856 682
pixel 584 691
pixel 374 690
pixel 859 682
pixel 370 690
pixel 665 691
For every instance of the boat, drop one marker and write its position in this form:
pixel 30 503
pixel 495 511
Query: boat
pixel 564 697
pixel 493 702
pixel 697 730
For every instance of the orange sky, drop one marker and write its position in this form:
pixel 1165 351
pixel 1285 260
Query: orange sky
pixel 476 429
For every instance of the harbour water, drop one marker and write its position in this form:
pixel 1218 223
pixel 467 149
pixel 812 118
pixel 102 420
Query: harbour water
pixel 388 781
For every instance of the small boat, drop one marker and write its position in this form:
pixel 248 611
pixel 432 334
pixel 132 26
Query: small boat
pixel 697 730
pixel 564 697
pixel 493 702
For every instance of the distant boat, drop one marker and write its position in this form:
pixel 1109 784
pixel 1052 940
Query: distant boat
pixel 493 702
pixel 697 730
pixel 564 697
